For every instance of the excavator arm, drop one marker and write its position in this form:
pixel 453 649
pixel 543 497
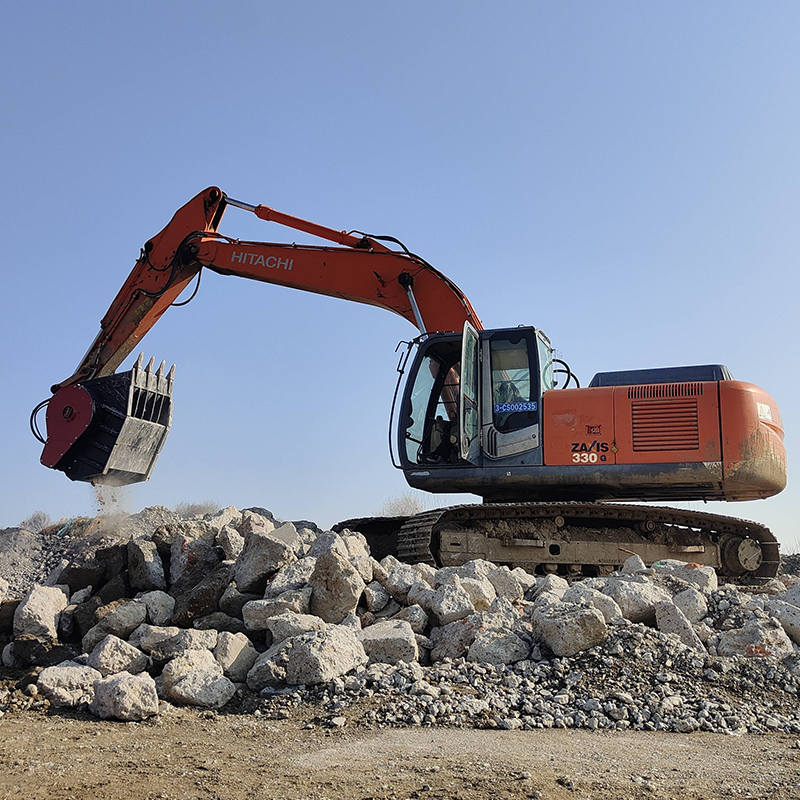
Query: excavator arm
pixel 108 427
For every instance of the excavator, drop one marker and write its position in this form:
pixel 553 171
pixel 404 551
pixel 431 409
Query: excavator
pixel 480 412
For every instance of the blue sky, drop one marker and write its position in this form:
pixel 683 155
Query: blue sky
pixel 624 175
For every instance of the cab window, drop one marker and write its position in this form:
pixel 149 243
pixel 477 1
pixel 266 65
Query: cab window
pixel 514 393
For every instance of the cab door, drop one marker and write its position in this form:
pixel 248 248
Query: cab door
pixel 469 418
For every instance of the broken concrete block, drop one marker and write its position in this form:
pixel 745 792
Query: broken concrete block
pixel 287 624
pixel 670 619
pixel 498 647
pixel 337 587
pixel 451 602
pixel 321 656
pixel 122 622
pixel 578 593
pixel 692 603
pixel 113 655
pixel 236 655
pixel 145 569
pixel 68 684
pixel 126 697
pixel 756 639
pixel 389 641
pixel 636 598
pixel 159 606
pixel 704 578
pixel 263 555
pixel 37 615
pixel 569 629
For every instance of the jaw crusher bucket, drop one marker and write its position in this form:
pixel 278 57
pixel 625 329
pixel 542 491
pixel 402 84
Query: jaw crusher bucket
pixel 110 430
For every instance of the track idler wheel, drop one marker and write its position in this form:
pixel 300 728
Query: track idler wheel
pixel 741 555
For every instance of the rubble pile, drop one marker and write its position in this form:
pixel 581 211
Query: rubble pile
pixel 238 609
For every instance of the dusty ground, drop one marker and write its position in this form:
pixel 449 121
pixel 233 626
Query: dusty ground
pixel 187 754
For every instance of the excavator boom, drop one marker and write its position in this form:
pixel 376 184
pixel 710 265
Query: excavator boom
pixel 91 426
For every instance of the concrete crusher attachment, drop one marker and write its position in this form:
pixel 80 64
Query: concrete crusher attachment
pixel 110 430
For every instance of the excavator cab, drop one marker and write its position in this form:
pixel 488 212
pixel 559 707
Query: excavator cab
pixel 110 430
pixel 473 401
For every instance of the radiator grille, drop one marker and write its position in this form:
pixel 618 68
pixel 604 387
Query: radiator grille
pixel 665 390
pixel 669 424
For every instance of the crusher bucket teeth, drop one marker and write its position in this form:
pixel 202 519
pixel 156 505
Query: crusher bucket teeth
pixel 110 430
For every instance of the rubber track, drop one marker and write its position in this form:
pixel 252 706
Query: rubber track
pixel 414 537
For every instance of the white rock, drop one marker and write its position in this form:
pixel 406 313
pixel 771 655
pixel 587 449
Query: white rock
pixel 578 593
pixel 203 689
pixel 633 565
pixel 145 569
pixel 454 639
pixel 704 578
pixel 121 622
pixel 231 542
pixel 358 554
pixel 498 647
pixel 757 638
pixel 269 669
pixel 427 572
pixel 328 542
pixel 192 661
pixel 113 655
pixel 636 598
pixel 670 619
pixel 147 637
pixel 480 590
pixel 389 641
pixel 321 656
pixel 505 584
pixel 263 555
pixel 4 590
pixel 292 577
pixel 337 587
pixel 554 584
pixel 525 579
pixel 415 616
pixel 184 641
pixel 399 578
pixel 68 684
pixel 692 603
pixel 788 615
pixel 159 606
pixel 230 516
pixel 451 602
pixel 235 654
pixel 126 697
pixel 256 613
pixel 376 597
pixel 285 625
pixel 477 568
pixel 38 612
pixel 792 595
pixel 569 629
pixel 422 595
pixel 254 523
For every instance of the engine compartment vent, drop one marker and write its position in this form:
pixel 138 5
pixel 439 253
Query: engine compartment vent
pixel 657 390
pixel 669 424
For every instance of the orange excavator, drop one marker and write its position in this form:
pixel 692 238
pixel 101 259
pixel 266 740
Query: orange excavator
pixel 480 412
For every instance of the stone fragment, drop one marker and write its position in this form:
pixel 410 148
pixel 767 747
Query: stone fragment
pixel 31 651
pixel 554 584
pixel 113 655
pixel 788 615
pixel 398 578
pixel 269 669
pixel 145 570
pixel 4 590
pixel 191 661
pixel 756 638
pixel 68 685
pixel 236 655
pixel 203 598
pixel 692 603
pixel 481 592
pixel 126 697
pixel 203 689
pixel 321 656
pixel 704 578
pixel 498 647
pixel 37 615
pixel 257 612
pixel 569 629
pixel 182 642
pixel 478 568
pixel 147 637
pixel 327 542
pixel 218 621
pixel 422 595
pixel 451 602
pixel 454 639
pixel 389 641
pixel 415 616
pixel 525 579
pixel 121 622
pixel 159 606
pixel 375 596
pixel 505 584
pixel 232 600
pixel 263 555
pixel 253 522
pixel 337 587
pixel 287 624
pixel 792 595
pixel 427 572
pixel 358 553
pixel 291 577
pixel 670 619
pixel 606 605
pixel 231 542
pixel 82 572
pixel 633 565
pixel 636 598
pixel 228 517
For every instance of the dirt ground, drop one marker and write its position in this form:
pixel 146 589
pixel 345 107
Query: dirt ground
pixel 188 754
